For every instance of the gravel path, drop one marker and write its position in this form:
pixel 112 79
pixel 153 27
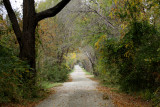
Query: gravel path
pixel 81 92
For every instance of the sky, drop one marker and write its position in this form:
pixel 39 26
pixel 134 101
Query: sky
pixel 16 4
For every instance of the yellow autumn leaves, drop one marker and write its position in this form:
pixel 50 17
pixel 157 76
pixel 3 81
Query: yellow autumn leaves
pixel 129 53
pixel 97 44
pixel 127 11
pixel 71 56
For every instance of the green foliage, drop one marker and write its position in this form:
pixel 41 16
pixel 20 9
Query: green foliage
pixel 133 60
pixel 15 86
pixel 16 83
pixel 156 98
pixel 48 85
pixel 139 58
pixel 55 73
pixel 106 65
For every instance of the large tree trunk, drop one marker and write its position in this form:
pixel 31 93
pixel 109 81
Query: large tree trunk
pixel 27 50
pixel 26 38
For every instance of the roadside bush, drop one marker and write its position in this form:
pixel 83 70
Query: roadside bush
pixel 139 58
pixel 106 64
pixel 156 98
pixel 55 72
pixel 14 84
pixel 134 60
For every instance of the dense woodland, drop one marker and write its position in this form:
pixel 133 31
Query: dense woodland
pixel 116 40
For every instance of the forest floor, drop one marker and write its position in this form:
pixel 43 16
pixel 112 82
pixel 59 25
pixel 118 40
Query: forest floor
pixel 80 92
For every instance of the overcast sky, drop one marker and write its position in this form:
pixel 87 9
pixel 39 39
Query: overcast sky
pixel 16 4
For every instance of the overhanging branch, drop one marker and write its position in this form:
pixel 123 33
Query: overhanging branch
pixel 52 11
pixel 107 22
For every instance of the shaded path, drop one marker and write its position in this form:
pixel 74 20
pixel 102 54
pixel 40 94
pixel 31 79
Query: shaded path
pixel 81 92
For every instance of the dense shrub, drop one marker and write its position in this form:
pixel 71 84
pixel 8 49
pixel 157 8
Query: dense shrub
pixel 139 58
pixel 14 83
pixel 134 60
pixel 55 73
pixel 106 63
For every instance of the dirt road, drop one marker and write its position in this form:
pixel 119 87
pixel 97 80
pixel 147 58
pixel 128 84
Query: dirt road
pixel 81 92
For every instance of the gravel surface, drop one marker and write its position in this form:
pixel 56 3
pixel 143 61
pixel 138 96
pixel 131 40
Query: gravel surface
pixel 81 92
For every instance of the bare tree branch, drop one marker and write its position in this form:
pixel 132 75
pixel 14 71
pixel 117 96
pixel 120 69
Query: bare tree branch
pixel 106 20
pixel 52 11
pixel 13 20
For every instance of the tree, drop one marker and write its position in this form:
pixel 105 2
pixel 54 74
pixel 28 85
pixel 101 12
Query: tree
pixel 26 36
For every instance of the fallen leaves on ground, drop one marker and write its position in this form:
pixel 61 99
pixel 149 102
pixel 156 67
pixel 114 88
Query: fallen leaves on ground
pixel 69 80
pixel 121 99
pixel 124 100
